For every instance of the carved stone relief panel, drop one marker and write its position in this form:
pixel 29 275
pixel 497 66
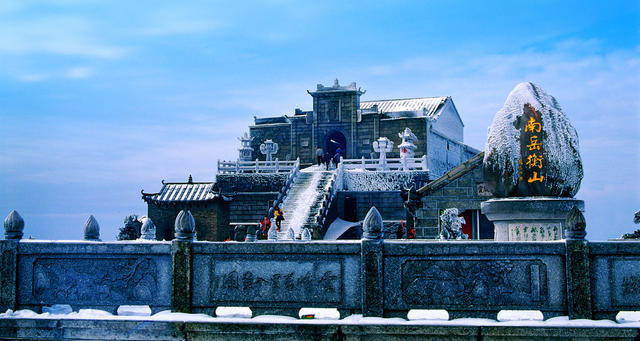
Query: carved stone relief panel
pixel 96 281
pixel 276 281
pixel 464 283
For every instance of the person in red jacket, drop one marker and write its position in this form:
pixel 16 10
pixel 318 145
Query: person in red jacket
pixel 266 225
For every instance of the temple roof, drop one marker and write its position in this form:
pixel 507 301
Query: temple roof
pixel 182 192
pixel 426 106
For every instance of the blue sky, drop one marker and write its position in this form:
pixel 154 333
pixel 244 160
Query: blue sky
pixel 100 99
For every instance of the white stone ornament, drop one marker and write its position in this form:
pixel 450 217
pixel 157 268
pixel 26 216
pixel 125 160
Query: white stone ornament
pixel 291 235
pixel 269 148
pixel 306 234
pixel 148 230
pixel 272 234
pixel 383 146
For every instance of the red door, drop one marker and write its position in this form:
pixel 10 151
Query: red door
pixel 467 227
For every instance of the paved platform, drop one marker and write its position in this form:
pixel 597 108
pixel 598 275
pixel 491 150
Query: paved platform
pixel 251 329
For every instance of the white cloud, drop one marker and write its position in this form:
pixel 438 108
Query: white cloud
pixel 55 35
pixel 79 72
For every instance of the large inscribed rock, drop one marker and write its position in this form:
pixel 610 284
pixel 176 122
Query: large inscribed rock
pixel 532 148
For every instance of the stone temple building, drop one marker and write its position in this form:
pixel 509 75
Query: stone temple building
pixel 340 119
pixel 451 177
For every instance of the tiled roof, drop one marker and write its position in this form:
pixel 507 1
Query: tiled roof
pixel 428 105
pixel 182 191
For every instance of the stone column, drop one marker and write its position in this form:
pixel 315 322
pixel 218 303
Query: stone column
pixel 13 226
pixel 578 269
pixel 371 263
pixel 182 263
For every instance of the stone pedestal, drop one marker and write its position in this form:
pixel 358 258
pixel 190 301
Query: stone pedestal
pixel 529 218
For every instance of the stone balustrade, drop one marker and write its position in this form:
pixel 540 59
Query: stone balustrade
pixel 371 276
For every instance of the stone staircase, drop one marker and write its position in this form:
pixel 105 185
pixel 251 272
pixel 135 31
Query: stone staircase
pixel 304 200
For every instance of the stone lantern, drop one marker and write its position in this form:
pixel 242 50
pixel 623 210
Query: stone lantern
pixel 407 147
pixel 245 149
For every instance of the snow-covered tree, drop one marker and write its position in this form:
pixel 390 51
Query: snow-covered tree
pixel 131 228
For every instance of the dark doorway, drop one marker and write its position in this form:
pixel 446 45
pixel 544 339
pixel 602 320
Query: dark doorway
pixel 335 140
pixel 350 209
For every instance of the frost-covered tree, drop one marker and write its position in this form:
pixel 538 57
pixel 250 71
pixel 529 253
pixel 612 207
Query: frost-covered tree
pixel 131 228
pixel 452 225
pixel 636 233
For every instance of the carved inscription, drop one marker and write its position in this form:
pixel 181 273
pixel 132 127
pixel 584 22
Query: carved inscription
pixel 625 282
pixel 535 231
pixel 254 281
pixel 466 283
pixel 95 281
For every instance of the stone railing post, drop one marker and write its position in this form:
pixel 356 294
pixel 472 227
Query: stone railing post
pixel 578 269
pixel 371 260
pixel 13 226
pixel 181 262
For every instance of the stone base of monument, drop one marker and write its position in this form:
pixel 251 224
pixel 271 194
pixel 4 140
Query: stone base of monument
pixel 529 218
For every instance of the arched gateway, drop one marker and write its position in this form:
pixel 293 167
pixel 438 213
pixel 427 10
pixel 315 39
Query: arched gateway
pixel 333 141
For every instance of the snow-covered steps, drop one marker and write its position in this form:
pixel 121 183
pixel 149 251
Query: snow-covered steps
pixel 304 200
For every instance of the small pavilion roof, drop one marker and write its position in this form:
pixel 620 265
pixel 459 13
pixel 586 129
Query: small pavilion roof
pixel 182 192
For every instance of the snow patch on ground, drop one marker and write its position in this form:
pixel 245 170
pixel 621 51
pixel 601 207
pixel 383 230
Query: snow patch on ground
pixel 320 313
pixel 520 315
pixel 242 312
pixel 337 228
pixel 134 310
pixel 427 314
pixel 628 316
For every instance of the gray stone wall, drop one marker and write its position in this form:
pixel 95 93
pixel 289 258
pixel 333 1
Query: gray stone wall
pixel 388 203
pixel 461 193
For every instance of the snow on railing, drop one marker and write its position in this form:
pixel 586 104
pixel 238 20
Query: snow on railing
pixel 391 164
pixel 336 184
pixel 287 186
pixel 257 166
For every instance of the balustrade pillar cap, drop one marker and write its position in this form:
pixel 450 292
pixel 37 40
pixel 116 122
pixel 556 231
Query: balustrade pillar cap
pixel 92 229
pixel 372 224
pixel 575 224
pixel 13 225
pixel 185 226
